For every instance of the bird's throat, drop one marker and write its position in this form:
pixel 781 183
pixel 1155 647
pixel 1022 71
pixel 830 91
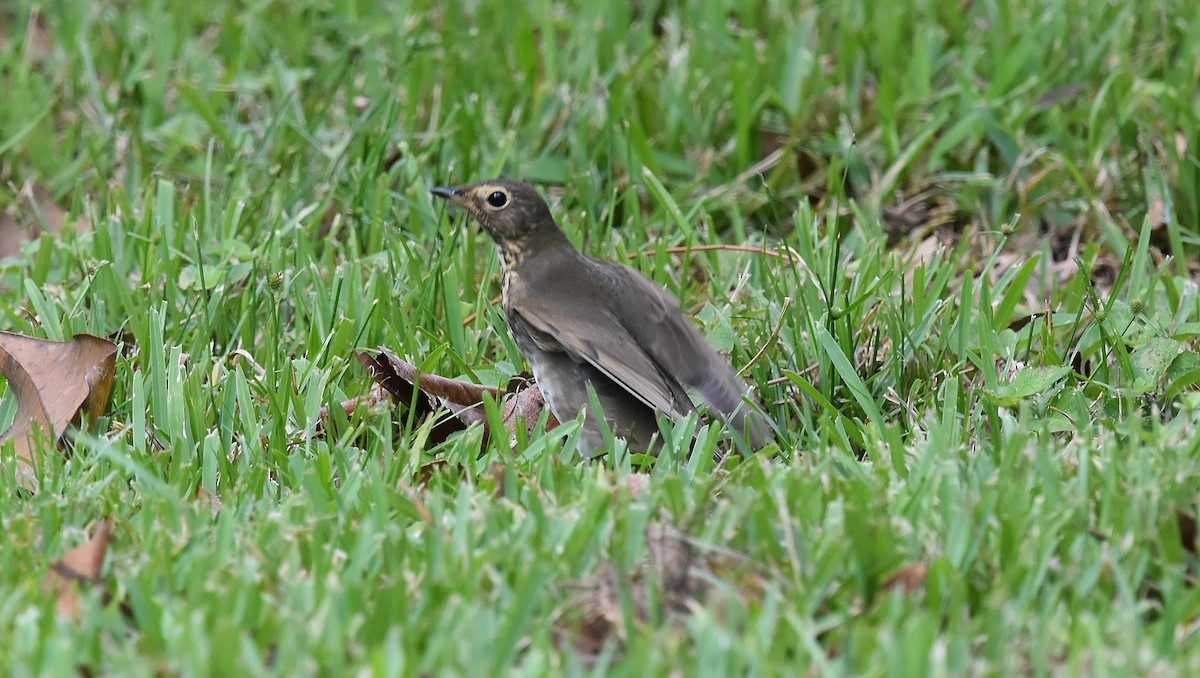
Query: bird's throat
pixel 537 247
pixel 510 254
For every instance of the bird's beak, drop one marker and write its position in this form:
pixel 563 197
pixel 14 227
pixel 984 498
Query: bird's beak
pixel 454 195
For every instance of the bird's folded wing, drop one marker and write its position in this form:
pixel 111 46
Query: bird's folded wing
pixel 610 348
pixel 676 345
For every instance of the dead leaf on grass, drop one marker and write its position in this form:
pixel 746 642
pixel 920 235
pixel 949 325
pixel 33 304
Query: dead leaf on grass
pixel 908 579
pixel 427 393
pixel 54 383
pixel 82 565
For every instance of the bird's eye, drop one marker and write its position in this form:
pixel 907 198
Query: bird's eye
pixel 497 199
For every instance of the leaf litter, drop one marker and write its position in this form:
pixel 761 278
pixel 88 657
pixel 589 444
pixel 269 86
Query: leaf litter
pixel 81 566
pixel 427 394
pixel 55 382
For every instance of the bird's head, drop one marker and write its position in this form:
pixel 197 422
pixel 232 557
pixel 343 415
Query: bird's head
pixel 510 211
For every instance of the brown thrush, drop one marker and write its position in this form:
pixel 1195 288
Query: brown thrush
pixel 587 323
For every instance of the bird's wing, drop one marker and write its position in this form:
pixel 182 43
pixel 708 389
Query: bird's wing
pixel 676 345
pixel 681 352
pixel 601 340
pixel 652 351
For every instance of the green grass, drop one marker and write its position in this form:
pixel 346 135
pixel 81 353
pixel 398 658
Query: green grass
pixel 982 357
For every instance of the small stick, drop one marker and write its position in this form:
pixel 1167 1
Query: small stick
pixel 725 247
pixel 787 303
pixel 471 318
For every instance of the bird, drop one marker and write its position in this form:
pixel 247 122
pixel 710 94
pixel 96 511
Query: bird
pixel 590 327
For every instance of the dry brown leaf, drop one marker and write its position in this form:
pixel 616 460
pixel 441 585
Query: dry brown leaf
pixel 81 565
pixel 54 382
pixel 427 392
pixel 525 407
pixel 908 578
pixel 454 394
pixel 389 371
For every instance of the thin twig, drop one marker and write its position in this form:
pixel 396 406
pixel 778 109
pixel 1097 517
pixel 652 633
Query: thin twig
pixel 785 254
pixel 471 317
pixel 803 373
pixel 787 302
pixel 757 169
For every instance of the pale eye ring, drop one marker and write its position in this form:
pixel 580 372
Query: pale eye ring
pixel 497 199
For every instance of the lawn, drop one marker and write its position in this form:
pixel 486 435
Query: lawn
pixel 952 245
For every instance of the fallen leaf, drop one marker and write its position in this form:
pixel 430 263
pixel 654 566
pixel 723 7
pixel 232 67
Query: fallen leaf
pixel 454 394
pixel 526 406
pixel 907 579
pixel 389 371
pixel 54 382
pixel 81 565
pixel 426 393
